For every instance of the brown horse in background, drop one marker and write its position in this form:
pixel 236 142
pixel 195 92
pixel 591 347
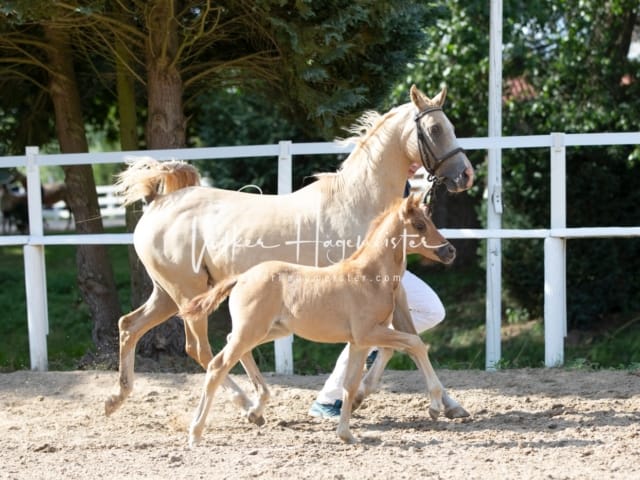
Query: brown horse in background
pixel 14 205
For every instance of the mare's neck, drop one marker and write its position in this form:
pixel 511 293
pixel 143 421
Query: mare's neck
pixel 375 173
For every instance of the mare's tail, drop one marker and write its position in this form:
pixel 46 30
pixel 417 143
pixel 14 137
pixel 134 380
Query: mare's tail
pixel 207 302
pixel 146 178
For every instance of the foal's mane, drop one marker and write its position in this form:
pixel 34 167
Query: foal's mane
pixel 376 224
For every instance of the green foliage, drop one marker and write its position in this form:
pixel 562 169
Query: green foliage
pixel 337 59
pixel 556 53
pixel 243 118
pixel 70 323
pixel 563 72
pixel 341 56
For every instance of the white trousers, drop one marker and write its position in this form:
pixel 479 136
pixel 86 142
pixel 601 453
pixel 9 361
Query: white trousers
pixel 426 312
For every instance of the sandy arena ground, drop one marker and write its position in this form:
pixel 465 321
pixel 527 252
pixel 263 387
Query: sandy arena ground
pixel 525 424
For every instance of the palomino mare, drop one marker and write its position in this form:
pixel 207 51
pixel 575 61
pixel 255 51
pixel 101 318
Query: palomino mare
pixel 350 301
pixel 191 238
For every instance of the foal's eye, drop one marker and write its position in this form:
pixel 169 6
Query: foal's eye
pixel 420 226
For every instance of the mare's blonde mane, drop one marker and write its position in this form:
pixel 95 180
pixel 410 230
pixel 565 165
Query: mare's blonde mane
pixel 370 124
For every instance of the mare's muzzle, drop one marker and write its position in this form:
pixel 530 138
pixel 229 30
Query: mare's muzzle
pixel 451 168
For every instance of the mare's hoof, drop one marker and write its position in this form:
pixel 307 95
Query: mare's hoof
pixel 193 441
pixel 256 419
pixel 456 412
pixel 349 439
pixel 433 413
pixel 111 405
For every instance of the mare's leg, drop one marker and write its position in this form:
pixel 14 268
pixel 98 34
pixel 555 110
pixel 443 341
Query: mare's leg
pixel 353 375
pixel 158 308
pixel 413 345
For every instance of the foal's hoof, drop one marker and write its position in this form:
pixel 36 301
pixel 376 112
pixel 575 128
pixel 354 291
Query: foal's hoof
pixel 456 412
pixel 433 413
pixel 256 419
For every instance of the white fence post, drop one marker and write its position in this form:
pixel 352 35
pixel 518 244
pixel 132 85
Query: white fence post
pixel 555 303
pixel 34 269
pixel 494 190
pixel 284 346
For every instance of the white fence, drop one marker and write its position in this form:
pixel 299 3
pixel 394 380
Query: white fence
pixel 111 209
pixel 554 237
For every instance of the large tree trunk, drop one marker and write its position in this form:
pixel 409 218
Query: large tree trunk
pixel 139 280
pixel 165 129
pixel 95 275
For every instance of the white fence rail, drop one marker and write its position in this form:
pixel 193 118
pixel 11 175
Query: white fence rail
pixel 554 237
pixel 110 206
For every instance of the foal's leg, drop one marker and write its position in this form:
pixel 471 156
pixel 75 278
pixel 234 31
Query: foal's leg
pixel 402 322
pixel 243 338
pixel 371 380
pixel 132 327
pixel 198 347
pixel 254 412
pixel 413 345
pixel 353 375
pixel 217 370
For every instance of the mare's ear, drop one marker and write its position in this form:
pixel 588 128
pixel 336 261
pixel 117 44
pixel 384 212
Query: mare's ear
pixel 419 99
pixel 439 99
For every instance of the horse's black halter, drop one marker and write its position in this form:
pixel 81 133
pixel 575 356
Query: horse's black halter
pixel 429 159
pixel 429 199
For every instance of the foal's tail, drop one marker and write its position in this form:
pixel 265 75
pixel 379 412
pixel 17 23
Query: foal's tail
pixel 146 178
pixel 207 302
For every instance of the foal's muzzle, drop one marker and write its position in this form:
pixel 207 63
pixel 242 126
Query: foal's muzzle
pixel 446 253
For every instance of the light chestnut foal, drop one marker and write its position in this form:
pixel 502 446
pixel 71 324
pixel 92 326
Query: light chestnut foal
pixel 351 301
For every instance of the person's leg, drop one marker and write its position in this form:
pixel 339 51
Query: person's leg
pixel 424 304
pixel 329 400
pixel 426 312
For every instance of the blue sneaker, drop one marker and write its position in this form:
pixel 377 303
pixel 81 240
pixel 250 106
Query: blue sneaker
pixel 326 410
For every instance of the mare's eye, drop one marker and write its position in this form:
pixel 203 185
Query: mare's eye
pixel 435 130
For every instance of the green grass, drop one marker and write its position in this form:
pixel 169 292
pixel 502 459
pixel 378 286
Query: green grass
pixel 458 342
pixel 70 322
